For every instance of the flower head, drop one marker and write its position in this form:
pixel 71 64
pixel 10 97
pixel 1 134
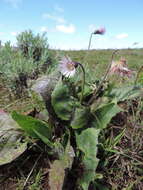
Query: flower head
pixel 100 31
pixel 67 67
pixel 120 68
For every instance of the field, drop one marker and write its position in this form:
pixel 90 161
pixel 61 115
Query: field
pixel 85 133
pixel 98 61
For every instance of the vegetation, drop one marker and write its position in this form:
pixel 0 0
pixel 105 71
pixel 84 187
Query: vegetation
pixel 76 133
pixel 30 59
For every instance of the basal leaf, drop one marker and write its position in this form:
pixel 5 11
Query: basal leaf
pixel 104 114
pixel 87 142
pixel 43 138
pixel 90 165
pixel 62 101
pixel 33 127
pixel 81 118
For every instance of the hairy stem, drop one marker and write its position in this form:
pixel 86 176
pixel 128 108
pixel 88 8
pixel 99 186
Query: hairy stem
pixel 83 81
pixel 83 71
pixel 90 41
pixel 89 45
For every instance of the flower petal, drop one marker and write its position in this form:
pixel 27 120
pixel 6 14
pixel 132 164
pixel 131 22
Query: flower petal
pixel 67 67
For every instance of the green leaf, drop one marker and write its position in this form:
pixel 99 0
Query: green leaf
pixel 87 91
pixel 104 114
pixel 125 93
pixel 81 118
pixel 87 142
pixel 99 118
pixel 43 138
pixel 110 143
pixel 33 127
pixel 12 144
pixel 117 139
pixel 90 165
pixel 62 101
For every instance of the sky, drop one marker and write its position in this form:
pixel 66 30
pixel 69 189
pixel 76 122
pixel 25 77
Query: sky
pixel 68 24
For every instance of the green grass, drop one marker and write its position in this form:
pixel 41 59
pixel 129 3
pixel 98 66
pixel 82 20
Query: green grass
pixel 98 60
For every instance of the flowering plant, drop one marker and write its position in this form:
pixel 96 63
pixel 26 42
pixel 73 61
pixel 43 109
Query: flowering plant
pixel 78 108
pixel 120 68
pixel 67 67
pixel 100 31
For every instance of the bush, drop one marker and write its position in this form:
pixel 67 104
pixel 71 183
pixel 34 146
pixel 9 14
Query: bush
pixel 32 45
pixel 35 47
pixel 27 61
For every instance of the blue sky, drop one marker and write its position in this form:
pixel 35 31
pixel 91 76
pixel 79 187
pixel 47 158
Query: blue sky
pixel 69 23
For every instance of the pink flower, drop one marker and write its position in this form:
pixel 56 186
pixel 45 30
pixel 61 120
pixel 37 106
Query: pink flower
pixel 100 31
pixel 67 67
pixel 120 68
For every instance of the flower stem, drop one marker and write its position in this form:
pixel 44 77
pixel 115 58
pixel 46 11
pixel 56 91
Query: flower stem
pixel 83 70
pixel 90 41
pixel 83 81
pixel 87 52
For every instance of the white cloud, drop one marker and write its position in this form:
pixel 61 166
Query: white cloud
pixel 66 28
pixel 58 9
pixel 14 33
pixel 122 36
pixel 55 18
pixel 44 29
pixel 14 3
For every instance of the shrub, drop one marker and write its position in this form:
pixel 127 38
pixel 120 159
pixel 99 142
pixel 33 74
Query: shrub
pixel 27 61
pixel 32 45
